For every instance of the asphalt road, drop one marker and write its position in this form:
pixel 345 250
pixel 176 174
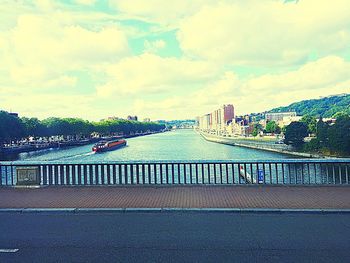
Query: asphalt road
pixel 174 237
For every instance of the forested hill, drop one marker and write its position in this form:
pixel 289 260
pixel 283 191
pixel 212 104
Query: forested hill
pixel 325 107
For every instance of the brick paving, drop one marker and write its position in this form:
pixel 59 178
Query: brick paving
pixel 277 197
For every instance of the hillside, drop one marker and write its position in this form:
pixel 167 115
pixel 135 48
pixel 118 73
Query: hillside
pixel 325 107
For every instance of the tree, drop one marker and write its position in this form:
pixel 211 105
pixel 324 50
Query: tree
pixel 295 134
pixel 11 127
pixel 272 127
pixel 257 128
pixel 339 136
pixel 310 121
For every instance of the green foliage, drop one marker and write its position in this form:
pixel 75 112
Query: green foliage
pixel 272 127
pixel 13 128
pixel 295 134
pixel 257 128
pixel 325 107
pixel 310 121
pixel 339 136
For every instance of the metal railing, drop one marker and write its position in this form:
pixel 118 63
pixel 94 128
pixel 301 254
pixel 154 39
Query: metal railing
pixel 236 172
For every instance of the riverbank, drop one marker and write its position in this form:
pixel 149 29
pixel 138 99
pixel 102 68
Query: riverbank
pixel 258 145
pixel 38 146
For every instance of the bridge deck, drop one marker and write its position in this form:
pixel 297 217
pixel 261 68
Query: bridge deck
pixel 277 197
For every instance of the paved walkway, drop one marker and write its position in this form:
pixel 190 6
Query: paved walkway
pixel 276 197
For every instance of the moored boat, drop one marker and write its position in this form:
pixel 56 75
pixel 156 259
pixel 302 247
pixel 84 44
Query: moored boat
pixel 103 146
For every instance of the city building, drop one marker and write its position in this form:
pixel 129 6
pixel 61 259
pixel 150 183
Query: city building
pixel 278 116
pixel 147 120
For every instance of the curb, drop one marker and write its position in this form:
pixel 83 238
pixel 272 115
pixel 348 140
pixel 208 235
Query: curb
pixel 172 210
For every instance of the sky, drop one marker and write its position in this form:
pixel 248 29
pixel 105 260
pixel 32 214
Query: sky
pixel 173 59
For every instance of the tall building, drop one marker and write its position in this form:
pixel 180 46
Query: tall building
pixel 228 113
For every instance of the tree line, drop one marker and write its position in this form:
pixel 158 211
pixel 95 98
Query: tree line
pixel 13 128
pixel 330 138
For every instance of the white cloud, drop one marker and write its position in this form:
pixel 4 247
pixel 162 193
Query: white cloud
pixel 150 74
pixel 327 76
pixel 269 32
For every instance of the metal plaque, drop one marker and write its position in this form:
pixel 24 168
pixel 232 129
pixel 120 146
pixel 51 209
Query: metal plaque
pixel 28 175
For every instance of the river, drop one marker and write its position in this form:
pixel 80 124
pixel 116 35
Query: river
pixel 174 145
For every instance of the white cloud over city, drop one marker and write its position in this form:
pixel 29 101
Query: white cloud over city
pixel 89 59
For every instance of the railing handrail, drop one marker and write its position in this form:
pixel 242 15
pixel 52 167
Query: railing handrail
pixel 235 161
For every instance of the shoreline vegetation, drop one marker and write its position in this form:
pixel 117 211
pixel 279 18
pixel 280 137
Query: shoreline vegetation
pixel 306 138
pixel 25 134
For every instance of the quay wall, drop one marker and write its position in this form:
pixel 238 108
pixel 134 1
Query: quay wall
pixel 258 145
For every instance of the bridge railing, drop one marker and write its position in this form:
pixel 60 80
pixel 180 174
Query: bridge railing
pixel 213 172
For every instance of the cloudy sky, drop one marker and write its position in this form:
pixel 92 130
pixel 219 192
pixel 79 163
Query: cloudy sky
pixel 169 59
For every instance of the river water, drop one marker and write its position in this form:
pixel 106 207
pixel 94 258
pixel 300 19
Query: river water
pixel 174 145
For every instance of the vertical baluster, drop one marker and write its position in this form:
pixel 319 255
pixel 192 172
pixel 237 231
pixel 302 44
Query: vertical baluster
pixel 233 173
pixel 209 175
pixel 120 174
pixel 276 166
pixel 220 168
pixel 167 173
pixel 270 171
pixel 251 172
pixel 296 173
pixel 173 173
pixel 143 174
pixel 340 175
pixel 126 173
pixel 191 180
pixel 197 179
pixel 178 174
pixel 155 173
pixel 202 171
pixel 333 170
pixel 214 168
pixel 149 173
pixel 79 174
pixel 45 180
pixel 308 173
pixel 12 175
pixel 73 175
pixel 91 178
pixel 61 174
pixel 239 173
pixel 327 173
pixel 67 174
pixel 257 173
pixel 289 174
pixel 315 169
pixel 245 173
pixel 102 174
pixel 283 174
pixel 161 173
pixel 56 171
pixel 302 173
pixel 185 173
pixel 347 173
pixel 137 174
pixel 226 168
pixel 6 175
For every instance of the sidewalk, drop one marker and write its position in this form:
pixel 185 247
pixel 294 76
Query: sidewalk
pixel 274 197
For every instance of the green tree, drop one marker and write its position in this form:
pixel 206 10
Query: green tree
pixel 295 134
pixel 339 136
pixel 257 128
pixel 272 127
pixel 311 122
pixel 11 128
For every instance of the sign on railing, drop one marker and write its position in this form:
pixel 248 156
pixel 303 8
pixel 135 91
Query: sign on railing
pixel 28 175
